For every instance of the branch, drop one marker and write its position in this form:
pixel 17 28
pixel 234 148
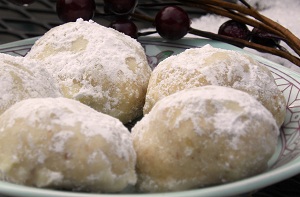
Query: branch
pixel 240 42
pixel 243 13
pixel 261 22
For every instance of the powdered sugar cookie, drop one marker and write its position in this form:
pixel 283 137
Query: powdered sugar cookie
pixel 21 79
pixel 203 136
pixel 211 66
pixel 98 66
pixel 61 143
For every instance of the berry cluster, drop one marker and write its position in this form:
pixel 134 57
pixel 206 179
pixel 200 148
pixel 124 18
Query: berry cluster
pixel 172 22
pixel 239 30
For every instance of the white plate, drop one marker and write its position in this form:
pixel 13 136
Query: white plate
pixel 284 164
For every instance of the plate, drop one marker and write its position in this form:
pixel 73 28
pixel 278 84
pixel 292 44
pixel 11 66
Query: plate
pixel 284 164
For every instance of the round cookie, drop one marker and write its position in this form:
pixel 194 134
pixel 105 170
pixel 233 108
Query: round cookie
pixel 63 144
pixel 211 66
pixel 203 136
pixel 97 66
pixel 21 79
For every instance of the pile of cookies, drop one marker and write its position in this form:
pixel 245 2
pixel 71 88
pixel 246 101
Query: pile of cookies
pixel 208 116
pixel 211 116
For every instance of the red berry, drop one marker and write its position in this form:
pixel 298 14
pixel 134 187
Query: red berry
pixel 264 38
pixel 71 10
pixel 172 23
pixel 126 26
pixel 235 29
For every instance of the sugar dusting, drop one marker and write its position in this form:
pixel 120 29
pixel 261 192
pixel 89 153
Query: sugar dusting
pixel 216 67
pixel 225 111
pixel 21 79
pixel 99 61
pixel 208 65
pixel 59 139
pixel 50 130
pixel 69 113
pixel 229 105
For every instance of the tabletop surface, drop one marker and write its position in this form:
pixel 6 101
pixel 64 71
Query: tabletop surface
pixel 18 22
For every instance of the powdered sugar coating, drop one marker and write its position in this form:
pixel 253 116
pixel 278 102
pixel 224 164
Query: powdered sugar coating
pixel 203 136
pixel 212 66
pixel 62 143
pixel 96 65
pixel 21 79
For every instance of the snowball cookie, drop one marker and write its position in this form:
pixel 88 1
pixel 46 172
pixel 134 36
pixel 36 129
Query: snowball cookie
pixel 21 79
pixel 98 66
pixel 203 136
pixel 63 144
pixel 211 66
